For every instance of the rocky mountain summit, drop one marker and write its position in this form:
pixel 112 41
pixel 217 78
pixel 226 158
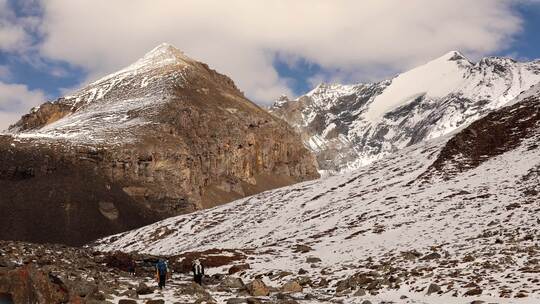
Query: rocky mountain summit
pixel 349 126
pixel 451 220
pixel 165 136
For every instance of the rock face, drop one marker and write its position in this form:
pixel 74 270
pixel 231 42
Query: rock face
pixel 164 136
pixel 348 126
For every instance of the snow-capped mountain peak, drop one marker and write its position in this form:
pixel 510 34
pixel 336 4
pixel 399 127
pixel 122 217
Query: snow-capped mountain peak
pixel 436 79
pixel 118 102
pixel 455 56
pixel 163 55
pixel 349 126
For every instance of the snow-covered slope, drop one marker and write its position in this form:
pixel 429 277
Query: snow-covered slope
pixel 460 211
pixel 348 126
pixel 113 107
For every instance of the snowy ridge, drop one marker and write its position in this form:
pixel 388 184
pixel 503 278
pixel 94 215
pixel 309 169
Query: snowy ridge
pixel 109 109
pixel 163 55
pixel 435 79
pixel 472 231
pixel 349 126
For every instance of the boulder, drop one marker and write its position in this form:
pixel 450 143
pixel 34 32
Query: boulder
pixel 360 292
pixel 82 288
pixel 26 284
pixel 258 288
pixel 130 293
pixel 232 282
pixel 253 301
pixel 144 289
pixel 292 286
pixel 237 268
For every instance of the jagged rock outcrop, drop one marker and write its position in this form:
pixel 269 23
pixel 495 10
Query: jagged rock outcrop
pixel 495 134
pixel 349 126
pixel 164 136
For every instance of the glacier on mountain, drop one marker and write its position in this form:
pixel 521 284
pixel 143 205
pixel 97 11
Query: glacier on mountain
pixel 349 126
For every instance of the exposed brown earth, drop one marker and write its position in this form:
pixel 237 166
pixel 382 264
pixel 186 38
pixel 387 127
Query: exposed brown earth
pixel 496 133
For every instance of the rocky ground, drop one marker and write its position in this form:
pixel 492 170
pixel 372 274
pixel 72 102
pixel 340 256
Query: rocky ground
pixel 455 218
pixel 31 273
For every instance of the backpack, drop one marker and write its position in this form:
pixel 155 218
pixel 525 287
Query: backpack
pixel 161 268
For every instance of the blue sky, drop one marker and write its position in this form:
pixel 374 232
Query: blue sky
pixel 49 48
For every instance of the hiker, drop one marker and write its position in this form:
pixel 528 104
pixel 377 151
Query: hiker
pixel 161 273
pixel 131 267
pixel 198 272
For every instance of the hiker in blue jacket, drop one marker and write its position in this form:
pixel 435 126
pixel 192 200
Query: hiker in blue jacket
pixel 161 273
pixel 198 271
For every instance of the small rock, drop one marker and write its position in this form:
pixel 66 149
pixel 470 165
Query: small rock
pixel 473 292
pixel 236 301
pixel 468 258
pixel 292 286
pixel 130 293
pixel 232 282
pixel 433 288
pixel 159 301
pixel 127 301
pixel 304 281
pixel 237 268
pixel 360 292
pixel 143 289
pixel 521 295
pixel 431 256
pixel 312 260
pixel 302 248
pixel 253 301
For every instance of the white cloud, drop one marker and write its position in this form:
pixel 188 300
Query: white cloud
pixel 14 32
pixel 350 39
pixel 16 100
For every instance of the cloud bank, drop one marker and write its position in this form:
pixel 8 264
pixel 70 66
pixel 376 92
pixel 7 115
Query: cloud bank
pixel 242 37
pixel 350 40
pixel 16 100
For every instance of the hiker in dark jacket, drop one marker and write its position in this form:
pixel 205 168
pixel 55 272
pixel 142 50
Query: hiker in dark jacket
pixel 198 272
pixel 131 267
pixel 161 273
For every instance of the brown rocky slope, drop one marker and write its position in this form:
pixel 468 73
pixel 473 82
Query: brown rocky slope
pixel 164 136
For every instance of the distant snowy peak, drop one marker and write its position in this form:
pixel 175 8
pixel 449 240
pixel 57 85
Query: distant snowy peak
pixel 436 79
pixel 163 55
pixel 348 126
